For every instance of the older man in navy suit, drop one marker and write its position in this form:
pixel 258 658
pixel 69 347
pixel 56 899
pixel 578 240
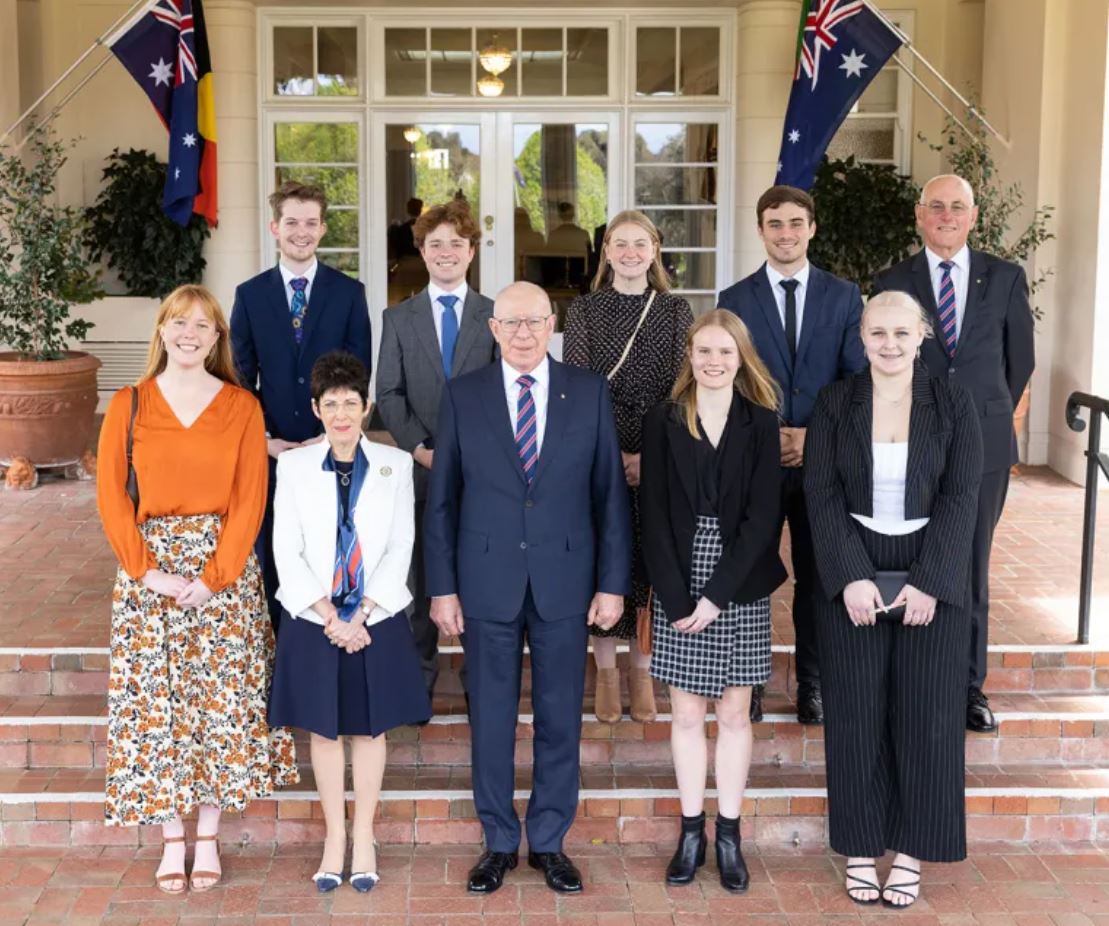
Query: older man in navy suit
pixel 282 322
pixel 527 537
pixel 805 325
pixel 985 342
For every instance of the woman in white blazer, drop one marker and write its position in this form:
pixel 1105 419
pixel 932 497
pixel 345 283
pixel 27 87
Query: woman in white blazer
pixel 346 662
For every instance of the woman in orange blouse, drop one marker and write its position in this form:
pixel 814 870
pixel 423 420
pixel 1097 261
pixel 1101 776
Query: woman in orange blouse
pixel 191 644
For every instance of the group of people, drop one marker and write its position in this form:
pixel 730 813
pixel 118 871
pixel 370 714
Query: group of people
pixel 635 491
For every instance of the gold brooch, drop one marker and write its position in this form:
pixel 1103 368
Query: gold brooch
pixel 386 471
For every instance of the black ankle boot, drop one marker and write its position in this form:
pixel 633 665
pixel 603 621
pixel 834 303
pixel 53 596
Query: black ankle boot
pixel 729 858
pixel 690 854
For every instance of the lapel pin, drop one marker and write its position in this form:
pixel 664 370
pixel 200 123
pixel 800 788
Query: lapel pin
pixel 562 395
pixel 386 471
pixel 979 280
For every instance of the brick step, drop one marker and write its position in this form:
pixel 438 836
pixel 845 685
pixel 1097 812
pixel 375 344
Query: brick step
pixel 1012 668
pixel 69 731
pixel 618 804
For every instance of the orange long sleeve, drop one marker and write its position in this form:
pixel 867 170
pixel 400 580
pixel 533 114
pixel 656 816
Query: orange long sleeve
pixel 215 466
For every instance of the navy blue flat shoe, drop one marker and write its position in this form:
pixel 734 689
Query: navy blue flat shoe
pixel 327 881
pixel 364 881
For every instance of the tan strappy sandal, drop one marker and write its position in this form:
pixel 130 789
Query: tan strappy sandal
pixel 162 880
pixel 215 875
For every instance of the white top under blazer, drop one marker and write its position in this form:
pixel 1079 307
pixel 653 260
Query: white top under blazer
pixel 890 463
pixel 305 524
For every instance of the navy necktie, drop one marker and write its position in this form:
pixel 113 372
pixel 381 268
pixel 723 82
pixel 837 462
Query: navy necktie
pixel 790 286
pixel 449 332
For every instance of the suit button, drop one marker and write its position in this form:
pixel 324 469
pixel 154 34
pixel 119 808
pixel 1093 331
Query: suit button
pixel 296 414
pixel 523 545
pixel 529 504
pixel 796 391
pixel 950 370
pixel 300 379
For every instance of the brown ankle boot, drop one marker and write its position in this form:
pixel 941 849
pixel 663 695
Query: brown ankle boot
pixel 642 695
pixel 607 702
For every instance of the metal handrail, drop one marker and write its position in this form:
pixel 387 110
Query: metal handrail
pixel 1095 460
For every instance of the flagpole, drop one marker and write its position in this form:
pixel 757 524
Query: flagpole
pixel 943 80
pixel 49 117
pixel 925 89
pixel 76 64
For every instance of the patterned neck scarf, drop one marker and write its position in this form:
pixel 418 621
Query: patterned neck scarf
pixel 348 580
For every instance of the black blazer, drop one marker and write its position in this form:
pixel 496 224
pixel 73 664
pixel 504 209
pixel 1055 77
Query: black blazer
pixel 941 482
pixel 749 568
pixel 995 355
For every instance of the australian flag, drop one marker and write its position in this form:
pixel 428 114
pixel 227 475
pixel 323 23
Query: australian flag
pixel 165 48
pixel 841 47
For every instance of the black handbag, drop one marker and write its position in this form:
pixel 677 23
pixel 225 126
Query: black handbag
pixel 889 584
pixel 132 476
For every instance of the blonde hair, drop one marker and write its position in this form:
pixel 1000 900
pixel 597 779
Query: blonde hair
pixel 752 380
pixel 896 299
pixel 657 277
pixel 178 304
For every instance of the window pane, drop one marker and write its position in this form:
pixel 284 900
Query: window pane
pixel 337 53
pixel 675 142
pixel 661 185
pixel 691 270
pixel 346 261
pixel 316 142
pixel 700 61
pixel 451 58
pixel 339 183
pixel 342 228
pixel 586 62
pixel 405 62
pixel 655 61
pixel 685 228
pixel 881 95
pixel 292 61
pixel 867 139
pixel 700 303
pixel 505 39
pixel 542 62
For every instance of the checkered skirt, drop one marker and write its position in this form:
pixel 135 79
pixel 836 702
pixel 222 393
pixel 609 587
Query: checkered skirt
pixel 733 651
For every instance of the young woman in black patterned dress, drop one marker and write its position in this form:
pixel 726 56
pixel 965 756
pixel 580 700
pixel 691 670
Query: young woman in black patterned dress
pixel 631 329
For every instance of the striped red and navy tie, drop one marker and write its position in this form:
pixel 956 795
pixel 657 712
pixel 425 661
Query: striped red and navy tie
pixel 527 442
pixel 947 309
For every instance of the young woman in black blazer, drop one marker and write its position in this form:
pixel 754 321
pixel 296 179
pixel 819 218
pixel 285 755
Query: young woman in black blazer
pixel 893 461
pixel 709 491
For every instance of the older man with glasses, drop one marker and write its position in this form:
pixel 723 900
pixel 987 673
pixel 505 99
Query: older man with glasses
pixel 526 537
pixel 984 342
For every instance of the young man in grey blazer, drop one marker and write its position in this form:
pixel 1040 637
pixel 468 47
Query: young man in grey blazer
pixel 438 334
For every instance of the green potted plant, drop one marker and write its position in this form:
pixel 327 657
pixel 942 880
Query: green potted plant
pixel 47 392
pixel 151 254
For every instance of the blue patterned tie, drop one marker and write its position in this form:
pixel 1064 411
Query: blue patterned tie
pixel 450 332
pixel 947 308
pixel 527 436
pixel 298 308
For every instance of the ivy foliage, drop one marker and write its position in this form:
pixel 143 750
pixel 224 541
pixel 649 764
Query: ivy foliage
pixel 864 219
pixel 151 253
pixel 43 269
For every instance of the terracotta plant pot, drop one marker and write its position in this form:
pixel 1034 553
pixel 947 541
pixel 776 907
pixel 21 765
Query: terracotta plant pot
pixel 47 408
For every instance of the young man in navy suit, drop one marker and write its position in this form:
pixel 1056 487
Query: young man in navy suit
pixel 285 319
pixel 805 325
pixel 527 536
pixel 985 342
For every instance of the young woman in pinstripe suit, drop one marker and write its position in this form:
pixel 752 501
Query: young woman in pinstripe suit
pixel 891 480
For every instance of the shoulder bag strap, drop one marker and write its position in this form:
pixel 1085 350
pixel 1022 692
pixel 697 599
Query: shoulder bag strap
pixel 627 347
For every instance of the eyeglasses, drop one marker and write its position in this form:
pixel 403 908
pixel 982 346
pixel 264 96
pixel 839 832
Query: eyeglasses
pixel 935 207
pixel 512 325
pixel 350 406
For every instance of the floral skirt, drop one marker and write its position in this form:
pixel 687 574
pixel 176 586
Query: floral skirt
pixel 187 689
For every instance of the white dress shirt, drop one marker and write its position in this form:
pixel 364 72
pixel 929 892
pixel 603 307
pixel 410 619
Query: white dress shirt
pixel 960 279
pixel 540 392
pixel 288 276
pixel 891 462
pixel 802 278
pixel 433 293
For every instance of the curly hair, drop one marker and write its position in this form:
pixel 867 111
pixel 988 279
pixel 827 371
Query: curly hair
pixel 339 369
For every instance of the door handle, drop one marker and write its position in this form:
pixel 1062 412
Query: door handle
pixel 489 223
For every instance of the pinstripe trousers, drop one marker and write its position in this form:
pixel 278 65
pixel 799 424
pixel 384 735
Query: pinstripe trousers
pixel 894 723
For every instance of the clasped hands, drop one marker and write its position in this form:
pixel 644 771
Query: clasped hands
pixel 446 612
pixel 351 635
pixel 187 593
pixel 793 446
pixel 863 602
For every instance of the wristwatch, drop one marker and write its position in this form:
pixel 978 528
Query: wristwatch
pixel 365 609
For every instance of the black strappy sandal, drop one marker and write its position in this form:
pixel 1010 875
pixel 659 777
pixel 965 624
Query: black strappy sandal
pixel 864 885
pixel 899 889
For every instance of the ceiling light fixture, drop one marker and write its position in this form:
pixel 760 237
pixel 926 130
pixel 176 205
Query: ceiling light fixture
pixel 495 58
pixel 412 135
pixel 490 86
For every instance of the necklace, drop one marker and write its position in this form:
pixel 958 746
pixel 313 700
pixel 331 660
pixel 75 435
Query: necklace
pixel 344 478
pixel 897 401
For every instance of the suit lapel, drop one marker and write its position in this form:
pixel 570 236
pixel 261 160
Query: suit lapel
pixel 765 299
pixel 496 410
pixel 558 416
pixel 976 292
pixel 922 282
pixel 862 416
pixel 317 304
pixel 472 324
pixel 735 439
pixel 814 299
pixel 685 461
pixel 423 320
pixel 275 288
pixel 922 425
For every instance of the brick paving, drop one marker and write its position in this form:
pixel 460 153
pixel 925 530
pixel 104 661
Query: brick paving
pixel 1043 885
pixel 58 569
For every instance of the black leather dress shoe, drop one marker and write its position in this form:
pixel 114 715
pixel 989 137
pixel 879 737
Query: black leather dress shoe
pixel 980 718
pixel 560 872
pixel 810 705
pixel 488 874
pixel 756 703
